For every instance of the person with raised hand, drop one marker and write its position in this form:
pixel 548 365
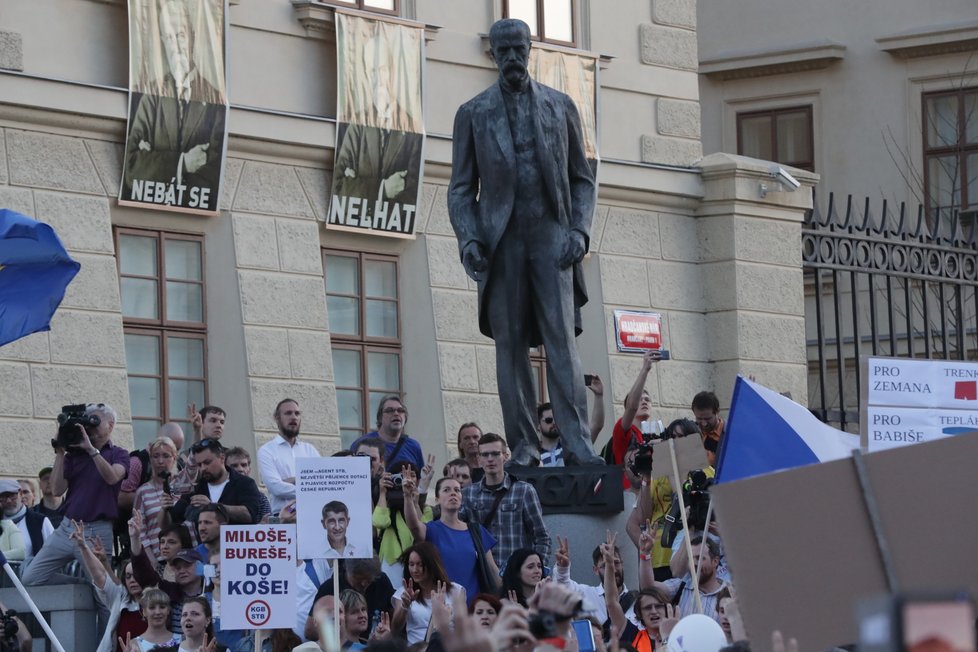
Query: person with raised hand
pixel 423 576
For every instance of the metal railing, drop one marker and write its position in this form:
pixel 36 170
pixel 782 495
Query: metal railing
pixel 886 283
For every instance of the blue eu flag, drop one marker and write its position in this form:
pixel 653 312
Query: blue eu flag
pixel 35 269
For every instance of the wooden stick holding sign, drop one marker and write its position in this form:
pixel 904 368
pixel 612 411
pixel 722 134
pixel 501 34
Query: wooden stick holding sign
pixel 682 513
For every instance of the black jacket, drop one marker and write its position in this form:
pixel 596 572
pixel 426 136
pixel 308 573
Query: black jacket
pixel 240 490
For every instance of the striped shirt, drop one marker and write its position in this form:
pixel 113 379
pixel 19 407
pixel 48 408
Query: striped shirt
pixel 147 502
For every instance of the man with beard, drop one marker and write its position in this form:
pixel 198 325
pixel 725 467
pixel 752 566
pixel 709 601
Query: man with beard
pixel 276 459
pixel 210 518
pixel 27 527
pixel 593 596
pixel 391 419
pixel 552 451
pixel 216 483
pixel 710 584
pixel 521 201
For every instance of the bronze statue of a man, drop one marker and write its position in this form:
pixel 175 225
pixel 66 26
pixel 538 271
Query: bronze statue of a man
pixel 521 201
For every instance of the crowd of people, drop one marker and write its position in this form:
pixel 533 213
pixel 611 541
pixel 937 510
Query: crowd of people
pixel 144 528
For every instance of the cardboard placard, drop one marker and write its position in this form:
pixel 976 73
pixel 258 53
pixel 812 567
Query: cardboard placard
pixel 802 552
pixel 257 576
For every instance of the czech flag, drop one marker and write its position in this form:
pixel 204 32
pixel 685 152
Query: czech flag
pixel 768 432
pixel 35 269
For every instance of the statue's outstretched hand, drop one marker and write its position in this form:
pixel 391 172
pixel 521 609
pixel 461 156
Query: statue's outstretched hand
pixel 474 261
pixel 574 250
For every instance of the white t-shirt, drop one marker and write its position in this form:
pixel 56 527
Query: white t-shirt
pixel 216 490
pixel 419 615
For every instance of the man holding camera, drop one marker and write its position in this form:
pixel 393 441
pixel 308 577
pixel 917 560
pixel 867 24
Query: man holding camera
pixel 89 469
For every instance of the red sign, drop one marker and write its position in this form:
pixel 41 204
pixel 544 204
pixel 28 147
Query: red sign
pixel 638 331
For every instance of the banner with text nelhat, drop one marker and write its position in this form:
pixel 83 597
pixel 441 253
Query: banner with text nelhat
pixel 258 567
pixel 380 134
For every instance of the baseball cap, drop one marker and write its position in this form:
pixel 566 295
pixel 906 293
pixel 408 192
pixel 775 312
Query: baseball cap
pixel 9 487
pixel 188 555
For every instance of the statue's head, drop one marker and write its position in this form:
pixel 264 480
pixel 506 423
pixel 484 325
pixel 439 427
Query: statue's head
pixel 509 40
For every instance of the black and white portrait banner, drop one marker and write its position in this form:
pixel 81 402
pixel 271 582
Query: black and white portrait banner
pixel 377 174
pixel 178 105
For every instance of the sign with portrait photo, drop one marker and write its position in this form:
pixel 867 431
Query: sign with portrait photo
pixel 378 168
pixel 176 138
pixel 334 507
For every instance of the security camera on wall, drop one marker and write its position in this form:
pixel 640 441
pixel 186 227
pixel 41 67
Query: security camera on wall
pixel 788 182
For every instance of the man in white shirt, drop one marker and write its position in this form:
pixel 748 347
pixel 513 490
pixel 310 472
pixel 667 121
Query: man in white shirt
pixel 276 459
pixel 593 596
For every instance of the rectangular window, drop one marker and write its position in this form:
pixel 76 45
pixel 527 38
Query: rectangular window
pixel 392 7
pixel 363 303
pixel 550 21
pixel 950 136
pixel 780 135
pixel 162 286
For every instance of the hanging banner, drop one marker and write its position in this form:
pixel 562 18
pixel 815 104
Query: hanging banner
pixel 576 76
pixel 377 173
pixel 176 139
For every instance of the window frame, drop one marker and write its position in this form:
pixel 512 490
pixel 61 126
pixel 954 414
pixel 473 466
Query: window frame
pixel 541 36
pixel 163 328
pixel 362 343
pixel 960 149
pixel 360 6
pixel 772 114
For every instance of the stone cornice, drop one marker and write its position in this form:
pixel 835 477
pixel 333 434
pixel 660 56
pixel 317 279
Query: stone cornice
pixel 932 40
pixel 319 19
pixel 773 61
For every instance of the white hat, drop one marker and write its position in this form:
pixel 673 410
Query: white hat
pixel 9 487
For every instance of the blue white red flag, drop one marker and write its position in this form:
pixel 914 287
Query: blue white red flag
pixel 768 432
pixel 35 269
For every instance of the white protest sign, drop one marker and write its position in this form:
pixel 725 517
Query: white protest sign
pixel 334 507
pixel 258 566
pixel 912 401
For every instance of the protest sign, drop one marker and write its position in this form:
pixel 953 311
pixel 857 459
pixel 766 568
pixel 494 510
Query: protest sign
pixel 912 401
pixel 258 566
pixel 802 551
pixel 334 507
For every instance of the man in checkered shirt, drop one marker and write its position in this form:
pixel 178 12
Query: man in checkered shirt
pixel 507 507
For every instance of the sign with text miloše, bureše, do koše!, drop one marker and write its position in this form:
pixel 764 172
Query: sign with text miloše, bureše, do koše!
pixel 638 332
pixel 258 566
pixel 907 401
pixel 334 507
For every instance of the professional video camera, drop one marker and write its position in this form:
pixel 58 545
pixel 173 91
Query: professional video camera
pixel 70 418
pixel 8 631
pixel 641 464
pixel 696 495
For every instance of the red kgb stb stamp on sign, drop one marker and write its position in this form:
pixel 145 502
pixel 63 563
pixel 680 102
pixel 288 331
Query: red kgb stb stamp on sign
pixel 258 613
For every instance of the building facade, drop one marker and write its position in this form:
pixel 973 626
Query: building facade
pixel 262 301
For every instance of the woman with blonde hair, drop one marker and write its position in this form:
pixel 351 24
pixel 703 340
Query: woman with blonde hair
pixel 148 502
pixel 155 605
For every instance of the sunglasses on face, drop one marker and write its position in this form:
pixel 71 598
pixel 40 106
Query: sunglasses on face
pixel 548 420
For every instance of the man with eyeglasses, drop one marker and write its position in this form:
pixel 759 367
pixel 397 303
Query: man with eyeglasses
pixel 276 459
pixel 507 507
pixel 391 419
pixel 216 483
pixel 91 472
